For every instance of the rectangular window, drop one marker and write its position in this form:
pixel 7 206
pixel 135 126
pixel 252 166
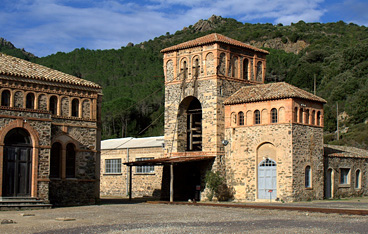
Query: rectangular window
pixel 344 176
pixel 113 165
pixel 144 169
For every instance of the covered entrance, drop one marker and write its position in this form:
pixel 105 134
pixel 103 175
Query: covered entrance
pixel 183 175
pixel 17 164
pixel 267 178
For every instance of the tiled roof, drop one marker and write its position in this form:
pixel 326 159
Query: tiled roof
pixel 210 39
pixel 18 67
pixel 130 142
pixel 272 91
pixel 344 151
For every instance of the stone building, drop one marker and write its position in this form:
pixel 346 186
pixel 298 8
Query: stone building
pixel 146 180
pixel 49 134
pixel 266 140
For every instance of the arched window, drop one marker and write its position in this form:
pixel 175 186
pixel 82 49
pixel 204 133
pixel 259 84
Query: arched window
pixel 30 100
pixel 313 117
pixel 55 160
pixel 296 114
pixel 53 105
pixel 184 69
pixel 234 67
pixel 5 98
pixel 241 118
pixel 301 112
pixel 274 115
pixel 196 68
pixel 308 177
pixel 70 161
pixel 75 107
pixel 257 117
pixel 259 72
pixel 233 119
pixel 318 118
pixel 245 69
pixel 357 179
pixel 307 117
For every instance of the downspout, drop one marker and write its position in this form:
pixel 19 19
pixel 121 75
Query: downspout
pixel 127 175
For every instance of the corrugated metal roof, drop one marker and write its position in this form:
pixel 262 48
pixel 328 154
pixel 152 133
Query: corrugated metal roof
pixel 13 66
pixel 271 91
pixel 130 142
pixel 209 39
pixel 171 160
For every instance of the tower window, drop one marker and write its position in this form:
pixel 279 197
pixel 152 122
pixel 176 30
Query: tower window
pixel 257 117
pixel 30 99
pixel 53 105
pixel 241 118
pixel 274 115
pixel 75 108
pixel 5 98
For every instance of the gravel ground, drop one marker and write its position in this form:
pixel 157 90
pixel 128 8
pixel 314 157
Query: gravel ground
pixel 161 218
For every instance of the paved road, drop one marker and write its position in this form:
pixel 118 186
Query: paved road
pixel 161 218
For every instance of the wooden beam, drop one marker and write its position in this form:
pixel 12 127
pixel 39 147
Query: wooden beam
pixel 130 183
pixel 171 182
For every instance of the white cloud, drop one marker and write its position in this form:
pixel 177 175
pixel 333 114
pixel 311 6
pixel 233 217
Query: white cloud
pixel 47 26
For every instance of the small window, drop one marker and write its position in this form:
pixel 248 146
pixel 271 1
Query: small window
pixel 245 69
pixel 357 179
pixel 308 177
pixel 344 176
pixel 313 117
pixel 53 105
pixel 301 112
pixel 318 118
pixel 184 69
pixel 113 165
pixel 5 98
pixel 296 115
pixel 257 117
pixel 70 161
pixel 307 117
pixel 274 115
pixel 75 108
pixel 241 118
pixel 144 169
pixel 30 99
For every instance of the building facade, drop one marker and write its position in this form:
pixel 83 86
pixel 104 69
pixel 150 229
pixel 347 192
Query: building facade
pixel 265 140
pixel 146 180
pixel 49 134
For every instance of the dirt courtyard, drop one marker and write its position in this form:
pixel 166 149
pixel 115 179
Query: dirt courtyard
pixel 161 218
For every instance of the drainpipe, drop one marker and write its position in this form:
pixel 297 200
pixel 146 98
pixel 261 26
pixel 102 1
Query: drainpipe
pixel 127 175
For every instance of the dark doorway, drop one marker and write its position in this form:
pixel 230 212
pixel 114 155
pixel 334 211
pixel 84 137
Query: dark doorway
pixel 328 184
pixel 17 164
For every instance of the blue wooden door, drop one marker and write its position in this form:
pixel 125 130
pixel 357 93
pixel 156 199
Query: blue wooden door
pixel 267 180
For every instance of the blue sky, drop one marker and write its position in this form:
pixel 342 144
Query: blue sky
pixel 44 27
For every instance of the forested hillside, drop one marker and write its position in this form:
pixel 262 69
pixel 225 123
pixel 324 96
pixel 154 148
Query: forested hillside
pixel 132 77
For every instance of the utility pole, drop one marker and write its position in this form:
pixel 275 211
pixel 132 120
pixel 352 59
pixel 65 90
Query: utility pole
pixel 337 121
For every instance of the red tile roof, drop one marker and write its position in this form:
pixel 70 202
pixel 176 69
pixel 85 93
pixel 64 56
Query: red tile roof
pixel 18 67
pixel 210 39
pixel 272 91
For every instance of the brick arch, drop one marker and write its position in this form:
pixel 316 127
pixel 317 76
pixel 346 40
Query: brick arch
pixel 169 69
pixel 184 71
pixel 41 104
pixel 86 111
pixel 193 68
pixel 18 101
pixel 19 123
pixel 25 99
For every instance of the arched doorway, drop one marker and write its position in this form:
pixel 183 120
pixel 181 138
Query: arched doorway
pixel 17 164
pixel 267 179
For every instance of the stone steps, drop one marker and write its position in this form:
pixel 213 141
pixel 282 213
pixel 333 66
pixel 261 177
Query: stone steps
pixel 22 203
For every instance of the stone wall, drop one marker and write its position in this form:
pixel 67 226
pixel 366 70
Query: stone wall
pixel 307 151
pixel 336 163
pixel 242 158
pixel 143 184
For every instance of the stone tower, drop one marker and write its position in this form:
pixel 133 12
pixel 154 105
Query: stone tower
pixel 199 75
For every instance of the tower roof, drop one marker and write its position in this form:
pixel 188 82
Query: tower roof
pixel 210 39
pixel 272 91
pixel 13 66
